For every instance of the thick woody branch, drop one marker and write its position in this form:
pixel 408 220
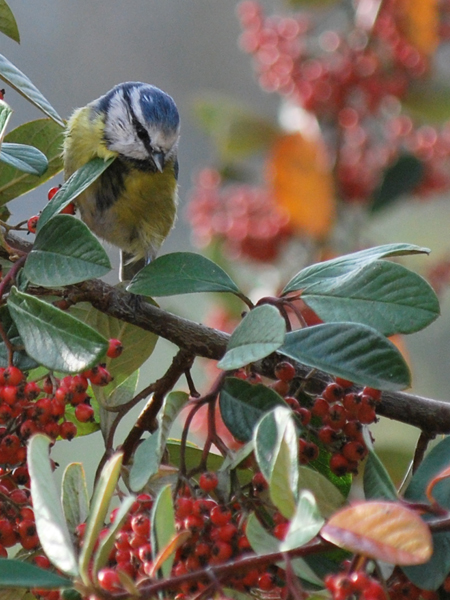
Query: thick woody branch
pixel 431 416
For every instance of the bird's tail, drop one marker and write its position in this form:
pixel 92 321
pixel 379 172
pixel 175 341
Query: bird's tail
pixel 129 266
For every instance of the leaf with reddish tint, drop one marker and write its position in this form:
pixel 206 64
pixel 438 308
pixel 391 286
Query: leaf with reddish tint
pixel 384 531
pixel 445 474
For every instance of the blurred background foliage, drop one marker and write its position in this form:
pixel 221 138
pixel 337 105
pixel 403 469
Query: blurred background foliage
pixel 309 129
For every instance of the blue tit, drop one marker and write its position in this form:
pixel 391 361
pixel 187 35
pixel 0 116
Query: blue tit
pixel 133 203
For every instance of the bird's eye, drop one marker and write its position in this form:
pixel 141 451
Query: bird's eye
pixel 142 133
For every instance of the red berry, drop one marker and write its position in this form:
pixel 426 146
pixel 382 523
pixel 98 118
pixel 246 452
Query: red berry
pixel 320 408
pixel 220 552
pixel 84 413
pixel 339 465
pixel 336 417
pixel 333 392
pixel 68 210
pixel 68 430
pixel 32 224
pixel 53 191
pixel 115 348
pixel 140 524
pixel 373 393
pixel 281 387
pixel 183 507
pixel 266 582
pixel 220 515
pixel 13 376
pixel 345 383
pixel 280 530
pixel 285 371
pixel 208 481
pixel 109 580
pixel 304 415
pixel 354 451
pixel 100 376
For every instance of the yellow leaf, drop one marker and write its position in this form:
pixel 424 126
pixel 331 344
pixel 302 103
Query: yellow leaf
pixel 386 531
pixel 301 181
pixel 421 24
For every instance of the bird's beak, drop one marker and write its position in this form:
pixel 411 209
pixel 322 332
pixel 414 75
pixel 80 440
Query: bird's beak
pixel 159 161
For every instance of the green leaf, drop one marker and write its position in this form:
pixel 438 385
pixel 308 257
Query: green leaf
pixel 21 358
pixel 342 265
pixel 73 187
pixel 103 493
pixel 149 453
pixel 261 332
pixel 276 451
pixel 138 346
pixel 65 252
pixel 181 273
pixel 353 351
pixel 236 130
pixel 5 114
pixel 327 496
pixel 20 82
pixel 46 136
pixel 431 574
pixel 54 338
pixel 163 526
pixel 305 523
pixel 16 573
pixel 398 179
pixel 260 540
pixel 376 481
pixel 50 522
pixel 193 456
pixel 243 404
pixel 8 24
pixel 106 544
pixel 24 158
pixel 381 294
pixel 74 495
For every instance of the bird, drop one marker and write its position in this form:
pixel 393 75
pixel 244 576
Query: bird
pixel 133 203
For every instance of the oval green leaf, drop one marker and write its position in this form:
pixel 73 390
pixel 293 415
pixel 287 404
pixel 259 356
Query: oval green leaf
pixel 243 404
pixel 20 574
pixel 103 493
pixel 5 114
pixel 149 453
pixel 353 351
pixel 181 273
pixel 73 187
pixel 65 252
pixel 50 522
pixel 74 495
pixel 381 294
pixel 46 136
pixel 53 338
pixel 20 358
pixel 337 267
pixel 24 158
pixel 8 24
pixel 261 332
pixel 305 523
pixel 163 526
pixel 20 82
pixel 276 451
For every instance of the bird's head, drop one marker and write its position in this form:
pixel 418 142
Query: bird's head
pixel 141 123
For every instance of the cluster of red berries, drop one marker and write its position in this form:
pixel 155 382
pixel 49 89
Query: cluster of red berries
pixel 334 419
pixel 244 217
pixel 28 407
pixel 343 69
pixel 353 83
pixel 357 585
pixel 217 535
pixel 67 210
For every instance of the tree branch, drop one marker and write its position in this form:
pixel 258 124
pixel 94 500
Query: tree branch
pixel 431 416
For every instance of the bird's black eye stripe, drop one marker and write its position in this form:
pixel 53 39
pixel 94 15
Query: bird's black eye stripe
pixel 142 133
